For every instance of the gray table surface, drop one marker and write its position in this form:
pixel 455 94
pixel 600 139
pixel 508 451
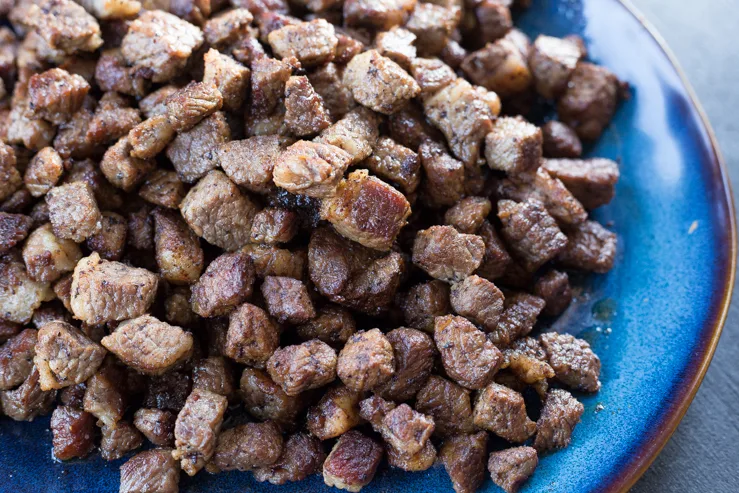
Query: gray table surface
pixel 702 454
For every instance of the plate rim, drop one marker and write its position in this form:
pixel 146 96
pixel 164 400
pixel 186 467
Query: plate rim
pixel 698 366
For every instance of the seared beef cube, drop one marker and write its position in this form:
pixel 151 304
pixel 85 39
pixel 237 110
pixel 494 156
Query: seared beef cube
pixel 227 27
pixel 374 409
pixel 347 47
pixel 27 401
pixel 444 175
pixel 64 25
pixel 463 457
pixel 73 433
pixel 112 73
pixel 574 363
pixel 500 67
pixel 158 45
pixel 590 247
pixel 196 429
pixel 213 374
pixel 168 391
pixel 327 82
pixel 494 20
pixel 193 152
pixel 302 367
pixel 366 361
pixel 336 413
pixel 118 440
pixel 312 43
pixel 110 241
pixel 155 103
pixel 246 447
pixel 408 127
pixel 406 430
pixel 19 294
pixel 514 145
pixel 122 169
pixel 431 74
pixel 414 353
pixel 518 318
pixel 272 261
pixel 43 172
pixel 528 361
pixel 554 288
pixel 367 210
pixel 49 312
pixel 265 400
pixel 104 10
pixel 356 133
pixel 553 61
pixel 16 359
pixel 191 104
pixel 510 468
pixel 479 300
pixel 47 257
pixel 591 181
pixel 420 461
pixel 560 415
pixel 377 15
pixel 560 141
pixel 423 302
pixel 163 188
pixel 332 325
pixel 113 119
pixel 229 77
pixel 73 211
pixel 178 253
pixel 397 45
pixel 249 163
pixel 287 300
pixel 433 26
pixel 65 356
pixel 152 471
pixel 274 225
pixel 88 171
pixel 305 114
pixel 311 168
pixel 33 134
pixel 446 254
pixel 104 395
pixel 496 259
pixel 468 214
pixel 8 330
pixel 302 456
pixel 156 425
pixel 13 229
pixel 396 164
pixel 353 461
pixel 379 83
pixel 467 355
pixel 226 283
pixel 268 79
pixel 589 103
pixel 502 411
pixel 177 309
pixel 149 345
pixel 531 232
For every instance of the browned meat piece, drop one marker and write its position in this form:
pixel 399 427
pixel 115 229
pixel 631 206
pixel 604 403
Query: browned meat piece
pixel 312 43
pixel 302 456
pixel 113 119
pixel 332 325
pixel 27 401
pixel 49 312
pixel 110 241
pixel 406 431
pixel 347 47
pixel 47 257
pixel 514 146
pixel 73 433
pixel 19 294
pixel 589 103
pixel 65 356
pixel 408 127
pixel 105 10
pixel 193 152
pixel 305 366
pixel 33 134
pixel 552 61
pixel 13 230
pixel 140 229
pixel 531 232
pixel 43 172
pixel 554 289
pixel 510 468
pixel 113 74
pixel 268 78
pixel 178 253
pixel 287 300
pixel 377 15
pixel 73 211
pixel 468 214
pixel 163 188
pixel 500 67
pixel 433 26
pixel 518 318
pixel 249 163
pixel 560 415
pixel 327 82
pixel 117 441
pixel 431 74
pixel 274 225
pixel 226 283
pixel 177 309
pixel 356 133
pixel 311 168
pixel 215 375
pixel 152 471
pixel 39 214
pixel 229 77
pixel 479 300
pixel 574 363
pixel 158 45
pixel 154 104
pixel 590 247
pixel 560 141
pixel 367 210
pixel 265 400
pixel 305 114
pixel 218 212
pixel 379 83
pixel 336 413
pixel 395 163
pixel 272 261
pixel 423 302
pixel 374 409
pixel 494 20
pixel 414 354
pixel 196 429
pixel 502 411
pixel 463 457
pixel 366 361
pixel 468 357
pixel 122 169
pixel 168 391
pixel 420 461
pixel 8 330
pixel 105 396
pixel 71 136
pixel 191 104
pixel 453 53
pixel 88 171
pixel 528 361
pixel 56 94
pixel 446 254
pixel 444 175
pixel 591 181
pixel 149 345
pixel 247 447
pixel 156 425
pixel 227 27
pixel 16 359
pixel 353 461
pixel 397 45
pixel 64 25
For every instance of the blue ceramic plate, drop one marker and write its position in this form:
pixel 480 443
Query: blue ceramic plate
pixel 654 320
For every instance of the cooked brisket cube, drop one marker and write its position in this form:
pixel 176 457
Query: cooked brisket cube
pixel 168 391
pixel 302 456
pixel 414 355
pixel 226 283
pixel 356 133
pixel 397 45
pixel 366 361
pixel 73 211
pixel 215 375
pixel 423 302
pixel 272 261
pixel 311 168
pixel 177 310
pixel 420 461
pixel 305 114
pixel 252 336
pixel 501 410
pixel 191 104
pixel 444 175
pixel 156 425
pixel 518 318
pixel 49 312
pixel 178 253
pixel 463 457
pixel 230 78
pixel 336 413
pixel 328 82
pixel 154 103
pixel 374 409
pixel 16 359
pixel 396 164
pixel 348 47
pixel 554 288
pixel 590 247
pixel 88 171
pixel 560 415
pixel 446 254
pixel 379 83
pixel 197 428
pixel 47 257
pixel 73 433
pixel 591 181
pixel 265 400
pixel 152 471
pixel 43 172
pixel 19 294
pixel 377 15
pixel 158 45
pixel 13 230
pixel 467 355
pixel 113 119
pixel 500 67
pixel 493 19
pixel 574 362
pixel 527 361
pixel 249 163
pixel 514 146
pixel 27 401
pixel 589 103
pixel 193 152
pixel 479 300
pixel 105 10
pixel 433 25
pixel 163 188
pixel 431 74
pixel 268 78
pixel 553 61
pixel 408 127
pixel 406 430
pixel 105 396
pixel 247 447
pixel 353 461
pixel 122 169
pixel 305 366
pixel 332 325
pixel 112 73
pixel 468 214
pixel 64 25
pixel 312 43
pixel 560 141
pixel 274 225
pixel 119 440
pixel 8 330
pixel 287 300
pixel 510 468
pixel 227 27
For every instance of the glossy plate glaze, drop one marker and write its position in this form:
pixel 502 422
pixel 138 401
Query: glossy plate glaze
pixel 654 320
